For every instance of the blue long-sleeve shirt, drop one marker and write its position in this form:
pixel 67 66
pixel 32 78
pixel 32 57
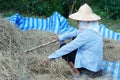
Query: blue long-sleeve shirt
pixel 90 49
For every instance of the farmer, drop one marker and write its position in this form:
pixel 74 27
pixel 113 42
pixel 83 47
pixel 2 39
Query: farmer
pixel 85 51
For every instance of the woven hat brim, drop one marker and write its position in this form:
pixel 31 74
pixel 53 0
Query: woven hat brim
pixel 84 17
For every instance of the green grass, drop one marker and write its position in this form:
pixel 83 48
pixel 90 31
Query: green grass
pixel 112 24
pixel 7 14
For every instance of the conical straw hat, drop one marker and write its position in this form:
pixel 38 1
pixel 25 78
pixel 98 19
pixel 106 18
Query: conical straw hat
pixel 85 13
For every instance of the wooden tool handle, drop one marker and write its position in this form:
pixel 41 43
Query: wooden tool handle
pixel 34 48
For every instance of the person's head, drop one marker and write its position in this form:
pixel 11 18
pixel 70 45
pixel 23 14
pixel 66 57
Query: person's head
pixel 86 18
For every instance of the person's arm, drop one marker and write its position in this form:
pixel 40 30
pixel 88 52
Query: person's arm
pixel 80 40
pixel 66 36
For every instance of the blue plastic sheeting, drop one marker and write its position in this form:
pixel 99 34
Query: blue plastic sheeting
pixel 59 25
pixel 111 70
pixel 107 33
pixel 56 24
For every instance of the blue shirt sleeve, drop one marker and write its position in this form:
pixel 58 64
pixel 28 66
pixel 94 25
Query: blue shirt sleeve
pixel 69 35
pixel 80 40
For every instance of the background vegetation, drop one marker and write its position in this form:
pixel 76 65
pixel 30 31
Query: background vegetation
pixel 107 9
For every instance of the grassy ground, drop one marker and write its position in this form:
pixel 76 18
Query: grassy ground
pixel 111 24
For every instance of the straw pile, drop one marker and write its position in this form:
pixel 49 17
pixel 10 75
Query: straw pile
pixel 17 65
pixel 111 50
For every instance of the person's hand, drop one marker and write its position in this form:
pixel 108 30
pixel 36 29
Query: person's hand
pixel 46 61
pixel 56 38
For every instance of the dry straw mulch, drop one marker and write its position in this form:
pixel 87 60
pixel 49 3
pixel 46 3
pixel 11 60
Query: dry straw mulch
pixel 111 50
pixel 17 65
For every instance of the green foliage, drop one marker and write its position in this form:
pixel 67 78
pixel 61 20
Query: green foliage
pixel 45 7
pixel 112 8
pixel 107 9
pixel 16 5
pixel 34 7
